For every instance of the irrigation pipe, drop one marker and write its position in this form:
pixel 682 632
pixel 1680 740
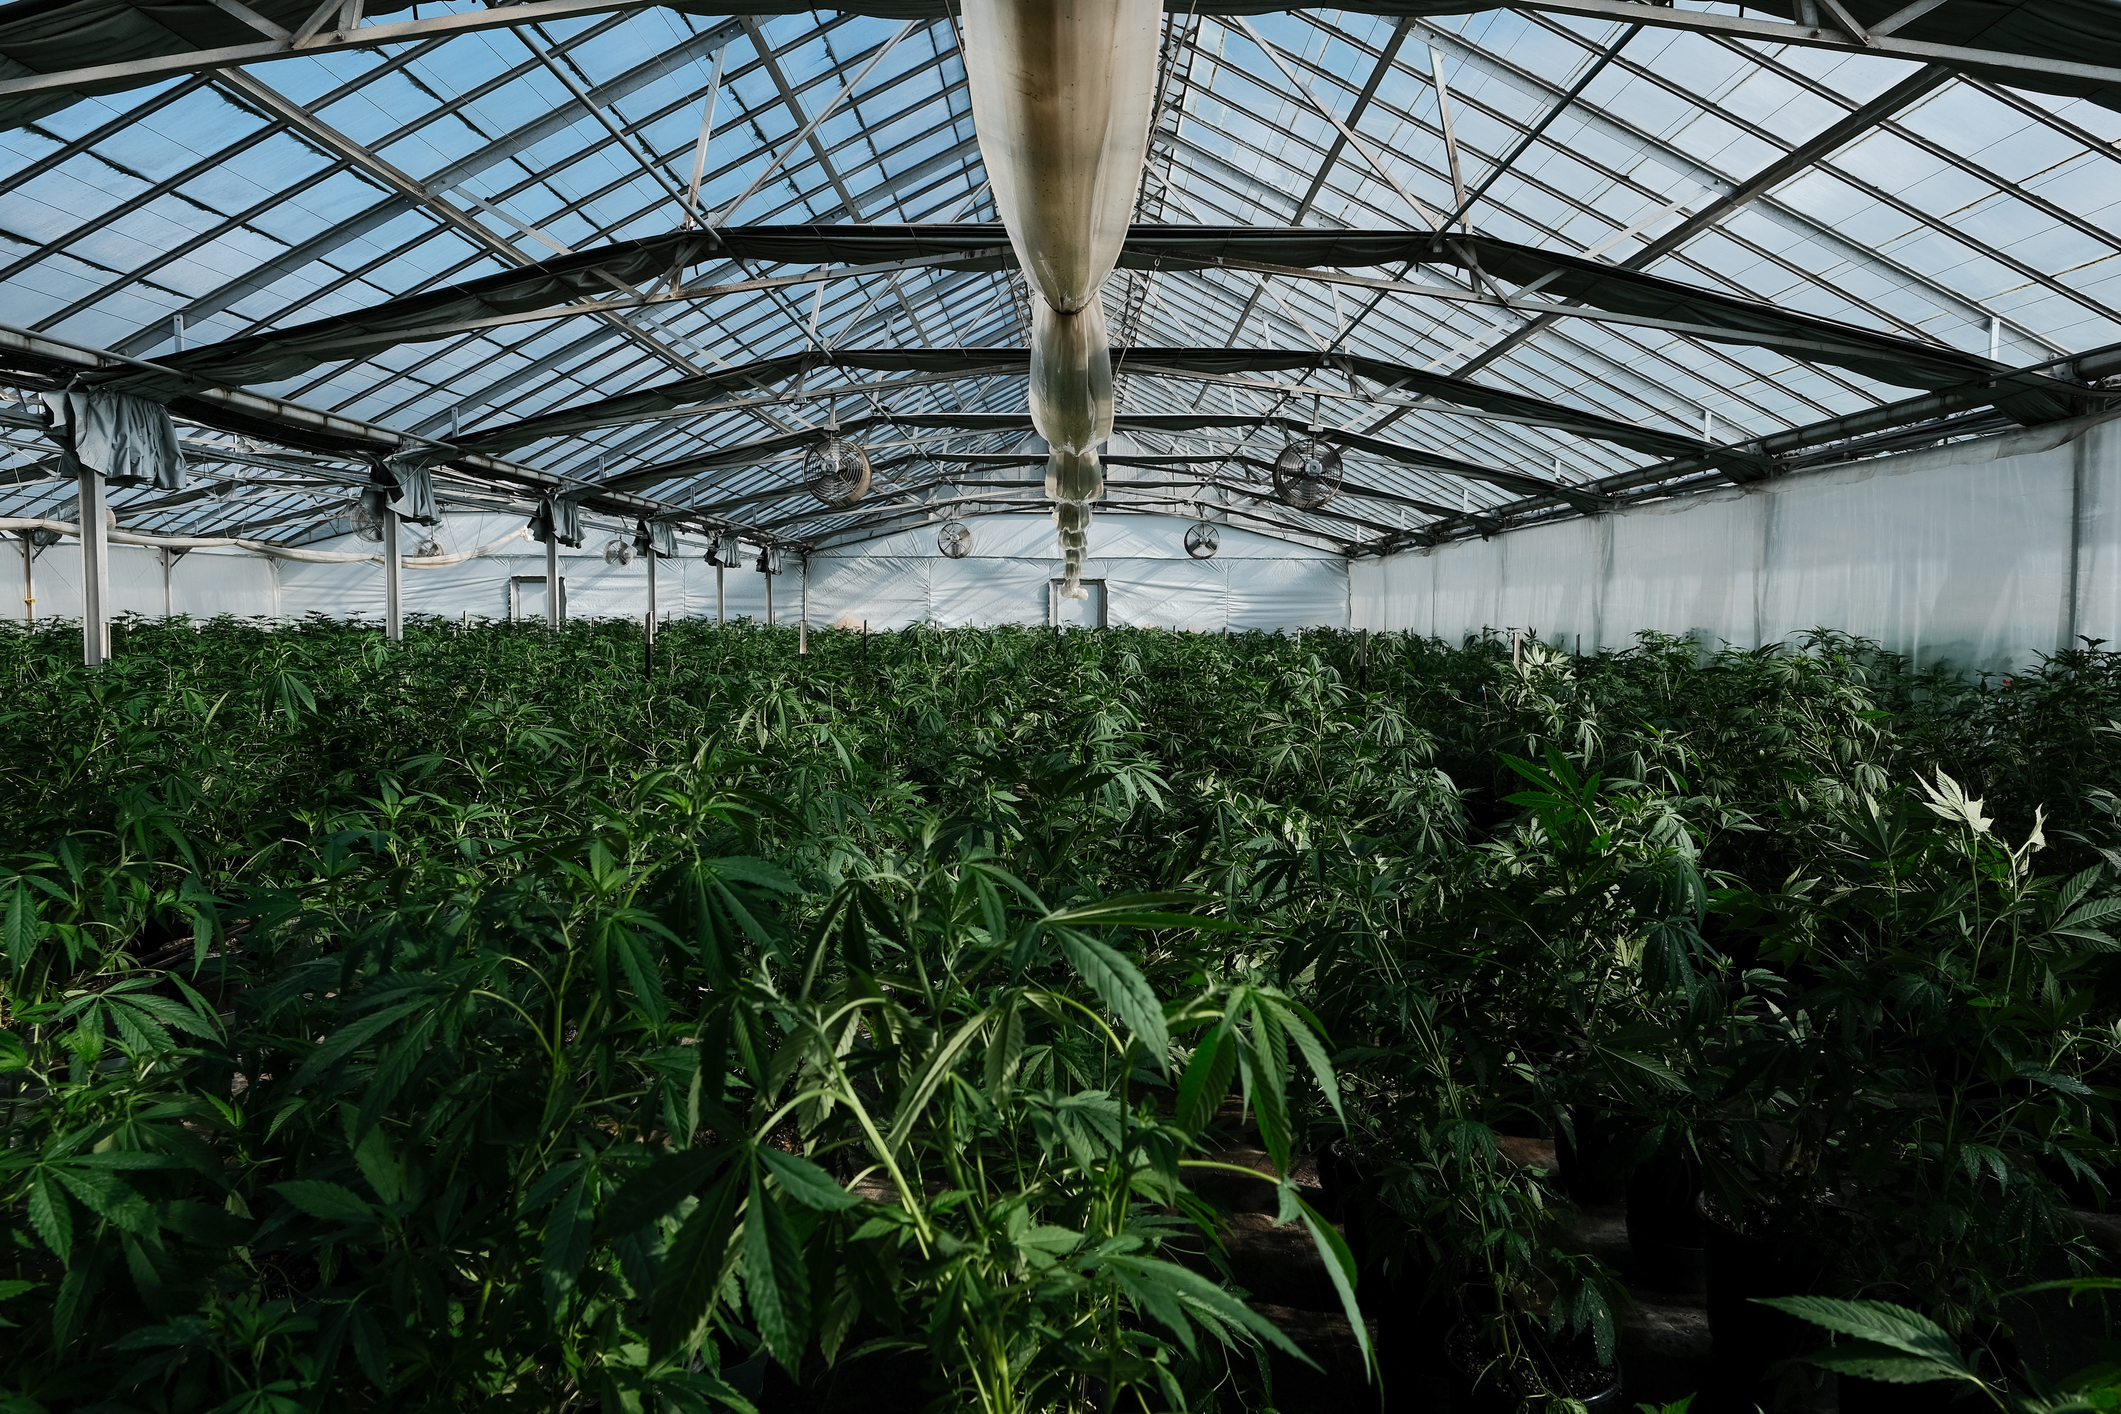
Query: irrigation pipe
pixel 267 547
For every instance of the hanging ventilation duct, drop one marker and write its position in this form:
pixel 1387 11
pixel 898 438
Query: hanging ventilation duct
pixel 1203 540
pixel 1063 97
pixel 837 471
pixel 1307 473
pixel 954 539
pixel 618 552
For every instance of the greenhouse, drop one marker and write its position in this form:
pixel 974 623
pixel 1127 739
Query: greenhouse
pixel 1060 705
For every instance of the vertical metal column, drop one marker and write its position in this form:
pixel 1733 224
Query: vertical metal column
pixel 802 631
pixel 169 594
pixel 769 601
pixel 29 580
pixel 651 593
pixel 552 582
pixel 393 580
pixel 95 569
pixel 721 600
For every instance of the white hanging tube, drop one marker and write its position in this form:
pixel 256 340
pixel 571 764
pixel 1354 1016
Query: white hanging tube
pixel 1062 100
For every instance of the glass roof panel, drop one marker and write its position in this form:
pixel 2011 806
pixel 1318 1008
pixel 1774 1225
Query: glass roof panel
pixel 1973 217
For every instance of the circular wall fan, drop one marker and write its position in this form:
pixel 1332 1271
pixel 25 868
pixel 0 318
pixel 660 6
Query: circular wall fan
pixel 838 472
pixel 1203 540
pixel 954 539
pixel 366 523
pixel 1307 473
pixel 618 552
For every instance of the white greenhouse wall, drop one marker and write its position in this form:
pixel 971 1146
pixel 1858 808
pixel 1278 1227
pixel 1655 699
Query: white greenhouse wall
pixel 202 583
pixel 1253 581
pixel 1979 555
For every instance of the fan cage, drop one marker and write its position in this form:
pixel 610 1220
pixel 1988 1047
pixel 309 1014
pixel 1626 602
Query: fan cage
pixel 366 523
pixel 1307 473
pixel 618 552
pixel 1202 541
pixel 837 471
pixel 954 540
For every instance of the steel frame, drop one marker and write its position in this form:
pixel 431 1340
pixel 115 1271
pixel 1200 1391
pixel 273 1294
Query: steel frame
pixel 903 145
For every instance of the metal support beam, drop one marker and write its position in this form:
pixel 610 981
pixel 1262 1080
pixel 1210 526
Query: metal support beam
pixel 552 582
pixel 1377 164
pixel 1803 156
pixel 1820 37
pixel 344 147
pixel 1362 102
pixel 95 567
pixel 131 72
pixel 245 409
pixel 393 579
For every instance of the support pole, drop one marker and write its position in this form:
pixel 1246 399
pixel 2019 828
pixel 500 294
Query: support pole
pixel 802 629
pixel 393 580
pixel 769 601
pixel 651 593
pixel 721 600
pixel 95 569
pixel 29 581
pixel 552 582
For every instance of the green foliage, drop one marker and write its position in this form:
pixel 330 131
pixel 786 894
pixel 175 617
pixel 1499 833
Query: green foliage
pixel 474 1022
pixel 1894 1345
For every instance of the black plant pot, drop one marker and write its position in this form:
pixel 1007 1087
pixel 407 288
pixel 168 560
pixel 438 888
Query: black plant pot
pixel 1592 1151
pixel 1478 1387
pixel 1342 1177
pixel 1664 1225
pixel 1749 1338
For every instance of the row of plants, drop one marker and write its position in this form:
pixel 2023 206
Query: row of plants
pixel 491 1019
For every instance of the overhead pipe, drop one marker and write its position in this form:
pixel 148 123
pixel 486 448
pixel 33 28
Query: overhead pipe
pixel 1063 93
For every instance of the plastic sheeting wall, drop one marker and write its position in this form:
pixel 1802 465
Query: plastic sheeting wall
pixel 1253 582
pixel 1979 555
pixel 202 583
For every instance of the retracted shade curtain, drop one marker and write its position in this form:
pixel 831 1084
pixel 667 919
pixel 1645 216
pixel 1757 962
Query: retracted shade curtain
pixel 117 435
pixel 599 273
pixel 973 362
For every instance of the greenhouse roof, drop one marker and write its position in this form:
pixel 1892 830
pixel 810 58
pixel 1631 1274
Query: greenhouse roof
pixel 1519 263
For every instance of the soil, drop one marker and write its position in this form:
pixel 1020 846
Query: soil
pixel 1573 1364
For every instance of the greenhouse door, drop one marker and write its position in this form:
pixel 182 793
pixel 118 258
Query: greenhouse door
pixel 1076 613
pixel 526 597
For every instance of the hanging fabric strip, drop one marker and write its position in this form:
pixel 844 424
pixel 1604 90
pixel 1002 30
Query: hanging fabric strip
pixel 118 434
pixel 411 474
pixel 557 519
pixel 1063 92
